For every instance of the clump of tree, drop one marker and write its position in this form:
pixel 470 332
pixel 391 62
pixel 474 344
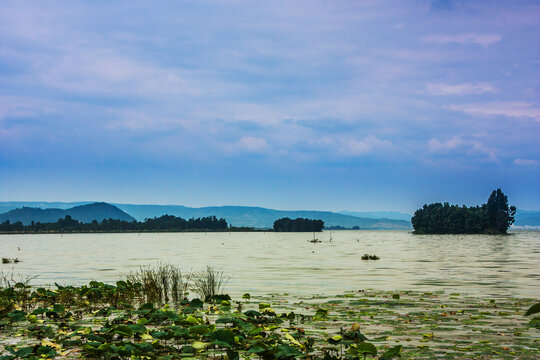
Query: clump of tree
pixel 298 225
pixel 165 223
pixel 494 217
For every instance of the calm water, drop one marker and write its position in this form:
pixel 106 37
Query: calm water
pixel 287 262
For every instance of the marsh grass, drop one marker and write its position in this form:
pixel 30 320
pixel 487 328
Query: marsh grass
pixel 160 284
pixel 208 283
pixel 19 284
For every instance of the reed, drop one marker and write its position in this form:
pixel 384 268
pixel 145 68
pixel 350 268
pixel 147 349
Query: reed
pixel 160 284
pixel 208 283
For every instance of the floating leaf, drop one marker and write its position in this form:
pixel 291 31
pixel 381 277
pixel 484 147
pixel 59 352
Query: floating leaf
pixel 284 352
pixel 533 309
pixel 17 315
pixel 58 308
pixel 366 348
pixel 391 353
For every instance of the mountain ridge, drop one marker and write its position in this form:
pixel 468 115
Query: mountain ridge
pixel 84 213
pixel 260 217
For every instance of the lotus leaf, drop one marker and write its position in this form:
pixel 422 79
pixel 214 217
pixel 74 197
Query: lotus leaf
pixel 58 308
pixel 284 352
pixel 533 309
pixel 257 347
pixel 391 353
pixel 364 349
pixel 321 314
pixel 226 336
pixel 17 315
pixel 233 355
pixel 122 330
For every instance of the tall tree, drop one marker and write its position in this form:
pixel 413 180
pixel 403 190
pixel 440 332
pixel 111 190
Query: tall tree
pixel 500 216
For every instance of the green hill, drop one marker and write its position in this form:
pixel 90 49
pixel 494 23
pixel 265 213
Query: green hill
pixel 83 213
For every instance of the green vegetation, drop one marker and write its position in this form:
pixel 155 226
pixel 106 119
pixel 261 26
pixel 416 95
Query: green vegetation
pixel 104 321
pixel 298 225
pixel 159 284
pixel 163 223
pixel 494 217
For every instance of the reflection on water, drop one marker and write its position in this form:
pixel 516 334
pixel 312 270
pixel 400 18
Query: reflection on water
pixel 287 262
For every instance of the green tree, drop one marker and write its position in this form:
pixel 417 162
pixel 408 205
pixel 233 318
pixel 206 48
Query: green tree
pixel 500 216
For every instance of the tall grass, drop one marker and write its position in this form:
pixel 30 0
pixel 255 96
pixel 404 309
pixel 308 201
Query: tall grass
pixel 160 284
pixel 208 283
pixel 21 287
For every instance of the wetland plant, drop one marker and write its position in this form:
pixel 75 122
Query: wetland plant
pixel 161 283
pixel 9 260
pixel 208 283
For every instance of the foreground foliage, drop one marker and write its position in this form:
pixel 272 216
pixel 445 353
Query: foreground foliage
pixel 103 321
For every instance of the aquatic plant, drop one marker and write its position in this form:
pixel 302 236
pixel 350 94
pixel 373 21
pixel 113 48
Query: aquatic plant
pixel 208 283
pixel 330 328
pixel 161 283
pixel 533 309
pixel 10 260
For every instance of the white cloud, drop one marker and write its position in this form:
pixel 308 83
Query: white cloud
pixel 251 144
pixel 519 109
pixel 370 143
pixel 459 144
pixel 526 162
pixel 460 89
pixel 481 39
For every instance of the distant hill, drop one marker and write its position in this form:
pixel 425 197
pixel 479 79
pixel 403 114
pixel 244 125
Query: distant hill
pixel 84 213
pixel 392 215
pixel 527 218
pixel 259 217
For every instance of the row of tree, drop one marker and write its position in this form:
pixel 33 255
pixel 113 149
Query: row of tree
pixel 298 225
pixel 494 217
pixel 162 223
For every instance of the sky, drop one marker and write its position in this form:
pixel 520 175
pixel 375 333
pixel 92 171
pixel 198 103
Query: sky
pixel 320 105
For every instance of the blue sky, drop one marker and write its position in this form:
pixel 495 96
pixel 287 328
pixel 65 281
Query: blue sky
pixel 330 105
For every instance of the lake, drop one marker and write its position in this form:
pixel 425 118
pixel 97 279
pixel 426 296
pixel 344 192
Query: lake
pixel 263 263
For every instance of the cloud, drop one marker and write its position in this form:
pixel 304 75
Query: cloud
pixel 480 39
pixel 458 145
pixel 369 144
pixel 251 144
pixel 460 89
pixel 518 109
pixel 526 162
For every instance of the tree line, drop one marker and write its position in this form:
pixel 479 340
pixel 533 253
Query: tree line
pixel 163 223
pixel 493 217
pixel 298 225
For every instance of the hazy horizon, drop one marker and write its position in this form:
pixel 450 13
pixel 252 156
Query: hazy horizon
pixel 349 105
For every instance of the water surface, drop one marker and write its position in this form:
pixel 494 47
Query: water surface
pixel 287 262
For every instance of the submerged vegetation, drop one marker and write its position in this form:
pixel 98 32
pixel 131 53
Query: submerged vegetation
pixel 298 225
pixel 165 223
pixel 494 217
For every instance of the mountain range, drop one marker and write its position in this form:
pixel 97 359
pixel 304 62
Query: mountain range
pixel 240 216
pixel 247 216
pixel 83 213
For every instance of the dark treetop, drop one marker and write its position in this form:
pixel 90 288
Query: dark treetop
pixel 162 223
pixel 494 217
pixel 298 225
